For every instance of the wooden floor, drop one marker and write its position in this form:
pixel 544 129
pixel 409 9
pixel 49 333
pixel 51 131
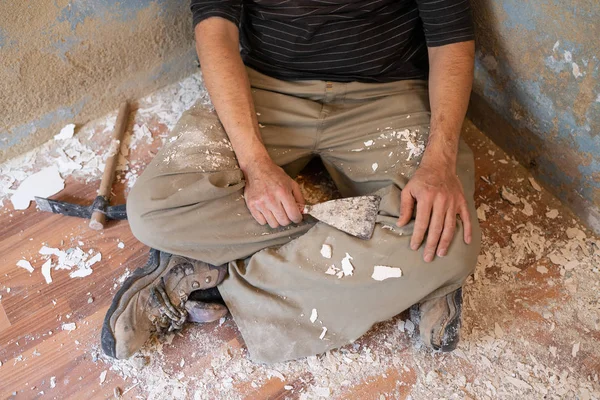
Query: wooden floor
pixel 509 309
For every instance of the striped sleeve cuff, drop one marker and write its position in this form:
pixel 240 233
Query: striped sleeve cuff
pixel 229 10
pixel 446 21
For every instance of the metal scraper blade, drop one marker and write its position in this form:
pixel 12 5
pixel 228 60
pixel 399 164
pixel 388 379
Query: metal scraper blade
pixel 353 215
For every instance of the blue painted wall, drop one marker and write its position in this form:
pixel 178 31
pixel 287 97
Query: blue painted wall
pixel 538 68
pixel 70 61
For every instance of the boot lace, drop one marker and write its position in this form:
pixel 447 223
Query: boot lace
pixel 171 317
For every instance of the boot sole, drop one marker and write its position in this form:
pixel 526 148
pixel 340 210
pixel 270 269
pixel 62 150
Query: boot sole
pixel 141 277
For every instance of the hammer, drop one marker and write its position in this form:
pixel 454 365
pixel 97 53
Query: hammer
pixel 99 211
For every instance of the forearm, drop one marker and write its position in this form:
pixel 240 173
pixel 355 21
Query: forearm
pixel 450 82
pixel 227 82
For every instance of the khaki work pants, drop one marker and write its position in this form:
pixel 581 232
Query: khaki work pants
pixel 370 138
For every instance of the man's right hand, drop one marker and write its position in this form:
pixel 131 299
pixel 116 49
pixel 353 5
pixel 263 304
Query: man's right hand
pixel 271 195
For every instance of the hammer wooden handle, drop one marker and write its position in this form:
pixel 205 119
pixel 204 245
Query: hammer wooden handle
pixel 98 218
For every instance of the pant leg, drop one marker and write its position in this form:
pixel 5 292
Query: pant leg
pixel 189 199
pixel 272 295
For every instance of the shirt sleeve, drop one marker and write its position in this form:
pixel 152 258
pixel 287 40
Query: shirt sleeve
pixel 229 9
pixel 446 21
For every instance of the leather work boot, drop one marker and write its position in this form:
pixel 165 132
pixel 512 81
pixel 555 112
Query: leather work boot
pixel 439 321
pixel 153 299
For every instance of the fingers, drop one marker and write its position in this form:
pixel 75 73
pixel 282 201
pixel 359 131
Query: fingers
pixel 292 204
pixel 271 220
pixel 448 233
pixel 407 203
pixel 421 223
pixel 466 219
pixel 436 225
pixel 257 215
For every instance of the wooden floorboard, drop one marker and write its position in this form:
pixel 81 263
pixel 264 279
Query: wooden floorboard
pixel 34 348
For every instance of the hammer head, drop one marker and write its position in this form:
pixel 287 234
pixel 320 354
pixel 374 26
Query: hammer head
pixel 76 210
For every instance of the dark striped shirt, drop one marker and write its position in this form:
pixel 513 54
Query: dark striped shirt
pixel 341 40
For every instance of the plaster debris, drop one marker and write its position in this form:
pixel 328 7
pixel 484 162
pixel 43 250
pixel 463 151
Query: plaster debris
pixel 322 336
pixel 575 349
pixel 369 143
pixel 332 270
pixel 347 267
pixel 121 245
pixel 527 208
pixel 481 210
pixel 103 377
pixel 52 382
pixel 552 213
pixel 374 166
pixel 313 315
pixel 326 251
pixel 46 271
pixel 25 265
pixel 45 183
pixel 66 132
pixel 541 269
pixel 575 233
pixel 576 71
pixel 534 184
pixel 381 272
pixel 509 196
pixel 69 327
pixel 409 326
pixel 73 257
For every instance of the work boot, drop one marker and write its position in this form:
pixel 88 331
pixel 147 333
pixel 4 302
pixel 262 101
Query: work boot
pixel 439 321
pixel 153 299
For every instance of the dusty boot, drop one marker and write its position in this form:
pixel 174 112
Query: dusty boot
pixel 153 299
pixel 439 321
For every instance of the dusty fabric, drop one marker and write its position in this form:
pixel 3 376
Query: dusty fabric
pixel 370 137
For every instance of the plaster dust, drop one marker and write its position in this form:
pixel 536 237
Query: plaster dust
pixel 86 69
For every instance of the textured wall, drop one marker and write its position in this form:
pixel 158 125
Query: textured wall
pixel 68 61
pixel 537 91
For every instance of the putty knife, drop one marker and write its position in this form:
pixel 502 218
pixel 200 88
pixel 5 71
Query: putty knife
pixel 353 215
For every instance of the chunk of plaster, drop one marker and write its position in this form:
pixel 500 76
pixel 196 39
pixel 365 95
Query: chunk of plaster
pixel 25 265
pixel 323 333
pixel 46 271
pixel 69 327
pixel 347 266
pixel 326 251
pixel 66 132
pixel 45 183
pixel 313 315
pixel 381 272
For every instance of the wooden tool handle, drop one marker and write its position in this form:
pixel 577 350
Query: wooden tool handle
pixel 98 218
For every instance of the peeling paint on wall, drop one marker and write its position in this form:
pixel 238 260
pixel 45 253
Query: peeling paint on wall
pixel 537 67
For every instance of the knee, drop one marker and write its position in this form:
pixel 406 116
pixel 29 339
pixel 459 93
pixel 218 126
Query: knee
pixel 142 227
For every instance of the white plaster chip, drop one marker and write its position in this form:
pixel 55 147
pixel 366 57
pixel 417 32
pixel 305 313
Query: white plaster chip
pixel 541 269
pixel 45 183
pixel 369 143
pixel 103 376
pixel 375 166
pixel 509 196
pixel 326 251
pixel 481 210
pixel 347 267
pixel 52 382
pixel 313 315
pixel 323 333
pixel 66 132
pixel 575 349
pixel 93 260
pixel 409 326
pixel 121 245
pixel 46 271
pixel 25 265
pixel 81 273
pixel 552 213
pixel 527 208
pixel 332 270
pixel 381 272
pixel 534 184
pixel 69 327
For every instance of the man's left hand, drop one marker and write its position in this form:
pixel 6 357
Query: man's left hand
pixel 439 196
